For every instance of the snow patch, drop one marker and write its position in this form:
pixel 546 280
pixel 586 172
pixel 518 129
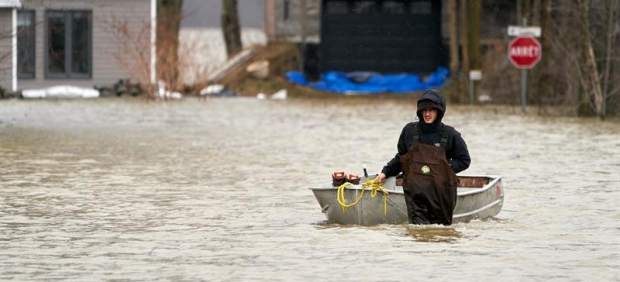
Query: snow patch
pixel 61 91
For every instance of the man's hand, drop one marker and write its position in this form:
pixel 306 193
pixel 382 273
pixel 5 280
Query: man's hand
pixel 380 177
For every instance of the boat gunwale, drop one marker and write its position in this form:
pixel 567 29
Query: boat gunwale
pixel 494 180
pixel 485 207
pixel 491 184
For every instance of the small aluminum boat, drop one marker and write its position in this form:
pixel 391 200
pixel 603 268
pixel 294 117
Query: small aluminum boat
pixel 478 197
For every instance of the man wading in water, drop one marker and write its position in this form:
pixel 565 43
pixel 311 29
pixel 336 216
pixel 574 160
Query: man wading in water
pixel 429 155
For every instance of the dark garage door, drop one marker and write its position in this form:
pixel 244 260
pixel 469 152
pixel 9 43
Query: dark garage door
pixel 381 36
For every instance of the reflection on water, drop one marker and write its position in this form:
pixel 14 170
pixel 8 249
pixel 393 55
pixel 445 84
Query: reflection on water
pixel 433 233
pixel 218 190
pixel 429 233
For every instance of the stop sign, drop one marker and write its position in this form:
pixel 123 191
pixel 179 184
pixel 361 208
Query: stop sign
pixel 524 52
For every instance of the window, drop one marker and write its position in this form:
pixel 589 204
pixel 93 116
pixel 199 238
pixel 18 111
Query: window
pixel 69 44
pixel 25 44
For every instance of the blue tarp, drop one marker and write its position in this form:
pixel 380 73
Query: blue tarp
pixel 370 83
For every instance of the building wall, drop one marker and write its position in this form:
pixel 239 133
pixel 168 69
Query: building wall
pixel 202 50
pixel 288 24
pixel 106 46
pixel 208 13
pixel 278 26
pixel 6 51
pixel 497 15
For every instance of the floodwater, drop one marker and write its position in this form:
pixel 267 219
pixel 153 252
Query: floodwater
pixel 217 190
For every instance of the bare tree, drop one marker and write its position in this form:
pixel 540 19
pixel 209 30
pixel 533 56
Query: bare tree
pixel 612 6
pixel 133 52
pixel 579 70
pixel 464 44
pixel 230 27
pixel 454 44
pixel 469 11
pixel 590 78
pixel 473 33
pixel 542 71
pixel 169 15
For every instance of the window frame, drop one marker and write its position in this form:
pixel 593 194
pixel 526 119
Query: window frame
pixel 32 51
pixel 67 15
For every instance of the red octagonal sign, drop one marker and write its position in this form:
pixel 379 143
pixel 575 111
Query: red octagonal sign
pixel 524 52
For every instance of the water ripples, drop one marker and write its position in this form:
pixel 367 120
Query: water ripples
pixel 217 190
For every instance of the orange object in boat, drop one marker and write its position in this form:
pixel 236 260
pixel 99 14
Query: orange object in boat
pixel 338 178
pixel 353 179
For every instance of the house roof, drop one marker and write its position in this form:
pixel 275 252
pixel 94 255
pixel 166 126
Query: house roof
pixel 10 3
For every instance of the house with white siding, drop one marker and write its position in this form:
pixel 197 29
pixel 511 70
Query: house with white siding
pixel 44 43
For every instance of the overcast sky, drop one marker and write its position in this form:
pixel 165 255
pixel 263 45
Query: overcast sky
pixel 206 13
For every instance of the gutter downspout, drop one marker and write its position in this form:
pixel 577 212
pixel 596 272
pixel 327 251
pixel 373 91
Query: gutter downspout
pixel 153 42
pixel 14 51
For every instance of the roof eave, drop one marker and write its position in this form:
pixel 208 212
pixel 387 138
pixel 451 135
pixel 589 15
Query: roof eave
pixel 10 3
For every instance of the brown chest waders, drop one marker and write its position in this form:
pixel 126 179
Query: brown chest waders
pixel 429 185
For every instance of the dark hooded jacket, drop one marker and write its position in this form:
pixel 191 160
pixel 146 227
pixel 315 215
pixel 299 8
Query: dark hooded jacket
pixel 456 149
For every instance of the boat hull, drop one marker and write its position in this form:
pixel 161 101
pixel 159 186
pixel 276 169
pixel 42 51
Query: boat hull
pixel 481 198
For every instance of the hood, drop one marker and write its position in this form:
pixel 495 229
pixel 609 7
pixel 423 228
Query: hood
pixel 431 98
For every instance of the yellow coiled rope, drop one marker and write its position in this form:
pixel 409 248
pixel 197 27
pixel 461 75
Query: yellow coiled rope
pixel 373 185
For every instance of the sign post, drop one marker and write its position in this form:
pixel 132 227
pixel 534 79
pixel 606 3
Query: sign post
pixel 474 75
pixel 524 53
